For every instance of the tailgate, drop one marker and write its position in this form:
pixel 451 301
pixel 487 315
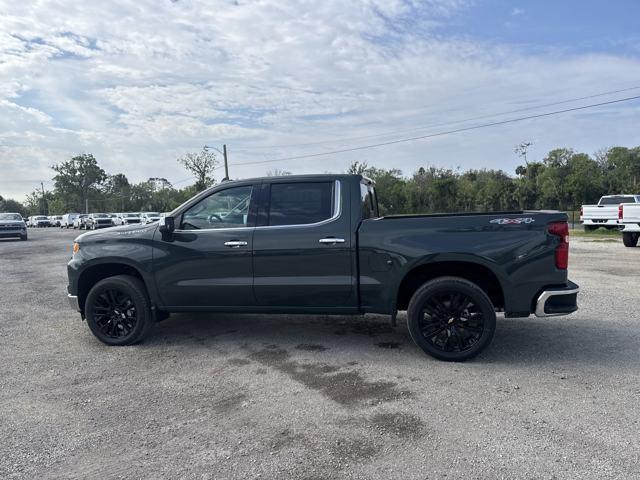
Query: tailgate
pixel 600 212
pixel 630 213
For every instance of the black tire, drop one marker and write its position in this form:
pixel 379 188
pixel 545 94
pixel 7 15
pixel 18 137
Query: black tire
pixel 471 326
pixel 103 307
pixel 23 238
pixel 630 239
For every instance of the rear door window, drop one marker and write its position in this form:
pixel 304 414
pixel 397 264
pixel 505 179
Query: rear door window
pixel 300 203
pixel 617 200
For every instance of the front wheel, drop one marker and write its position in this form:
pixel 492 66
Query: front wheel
pixel 451 319
pixel 23 238
pixel 118 310
pixel 630 239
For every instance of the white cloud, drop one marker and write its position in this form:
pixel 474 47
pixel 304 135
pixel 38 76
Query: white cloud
pixel 140 83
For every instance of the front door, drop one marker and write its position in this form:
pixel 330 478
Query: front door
pixel 302 246
pixel 206 262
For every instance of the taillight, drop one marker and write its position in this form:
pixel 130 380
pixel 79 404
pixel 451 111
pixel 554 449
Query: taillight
pixel 561 229
pixel 620 211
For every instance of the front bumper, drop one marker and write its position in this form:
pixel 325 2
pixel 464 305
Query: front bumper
pixel 12 233
pixel 557 301
pixel 73 302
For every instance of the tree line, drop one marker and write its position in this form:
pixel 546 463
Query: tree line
pixel 563 180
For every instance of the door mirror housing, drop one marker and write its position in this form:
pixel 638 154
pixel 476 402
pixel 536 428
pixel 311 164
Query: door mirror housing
pixel 167 224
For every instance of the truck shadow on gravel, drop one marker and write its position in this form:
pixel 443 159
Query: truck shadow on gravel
pixel 516 341
pixel 566 341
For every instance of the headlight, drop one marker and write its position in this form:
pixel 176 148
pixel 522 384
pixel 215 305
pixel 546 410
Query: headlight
pixel 76 247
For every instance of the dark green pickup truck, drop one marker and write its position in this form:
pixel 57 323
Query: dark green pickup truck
pixel 316 244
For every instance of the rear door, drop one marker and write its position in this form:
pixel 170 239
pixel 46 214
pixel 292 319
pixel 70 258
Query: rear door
pixel 302 250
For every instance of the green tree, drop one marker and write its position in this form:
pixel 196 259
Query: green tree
pixel 76 178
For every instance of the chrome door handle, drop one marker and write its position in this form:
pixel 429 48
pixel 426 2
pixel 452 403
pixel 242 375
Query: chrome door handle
pixel 235 244
pixel 331 240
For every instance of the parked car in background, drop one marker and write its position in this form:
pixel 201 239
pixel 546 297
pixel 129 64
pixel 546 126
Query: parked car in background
pixel 98 220
pixel 126 218
pixel 56 220
pixel 605 213
pixel 40 221
pixel 316 244
pixel 148 217
pixel 67 220
pixel 79 221
pixel 12 225
pixel 629 220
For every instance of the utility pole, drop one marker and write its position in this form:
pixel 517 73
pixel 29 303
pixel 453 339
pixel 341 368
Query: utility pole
pixel 44 208
pixel 226 164
pixel 86 206
pixel 224 155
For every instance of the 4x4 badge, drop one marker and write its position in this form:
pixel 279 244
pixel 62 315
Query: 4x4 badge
pixel 512 221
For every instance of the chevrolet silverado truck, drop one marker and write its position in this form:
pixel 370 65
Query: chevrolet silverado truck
pixel 316 244
pixel 629 220
pixel 605 213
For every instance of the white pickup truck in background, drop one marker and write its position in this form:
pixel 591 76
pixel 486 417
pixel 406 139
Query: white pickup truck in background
pixel 629 220
pixel 605 213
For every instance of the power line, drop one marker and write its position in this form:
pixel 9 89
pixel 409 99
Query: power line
pixel 424 127
pixel 438 134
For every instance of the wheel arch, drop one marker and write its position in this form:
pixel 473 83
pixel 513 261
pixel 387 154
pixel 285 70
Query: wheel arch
pixel 99 271
pixel 475 272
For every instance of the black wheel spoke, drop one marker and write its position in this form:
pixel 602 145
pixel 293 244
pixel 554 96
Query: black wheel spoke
pixel 451 321
pixel 114 313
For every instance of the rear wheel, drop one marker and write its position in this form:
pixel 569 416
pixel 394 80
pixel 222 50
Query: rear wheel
pixel 451 319
pixel 630 239
pixel 118 310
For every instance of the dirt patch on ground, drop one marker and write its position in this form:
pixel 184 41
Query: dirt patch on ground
pixel 310 347
pixel 401 425
pixel 347 388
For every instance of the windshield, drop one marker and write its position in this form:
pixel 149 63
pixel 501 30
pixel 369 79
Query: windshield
pixel 152 214
pixel 42 218
pixel 10 216
pixel 100 215
pixel 616 200
pixel 131 215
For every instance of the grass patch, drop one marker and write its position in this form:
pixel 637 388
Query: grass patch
pixel 599 233
pixel 603 240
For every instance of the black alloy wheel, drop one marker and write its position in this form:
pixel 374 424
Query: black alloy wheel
pixel 451 319
pixel 118 311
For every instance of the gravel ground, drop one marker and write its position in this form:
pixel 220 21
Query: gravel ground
pixel 311 397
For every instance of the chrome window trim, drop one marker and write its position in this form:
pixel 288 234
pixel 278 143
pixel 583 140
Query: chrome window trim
pixel 337 212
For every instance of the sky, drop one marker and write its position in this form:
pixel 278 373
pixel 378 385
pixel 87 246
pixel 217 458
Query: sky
pixel 140 83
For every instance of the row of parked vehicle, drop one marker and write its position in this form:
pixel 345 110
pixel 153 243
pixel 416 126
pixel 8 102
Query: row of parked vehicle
pixel 620 212
pixel 91 221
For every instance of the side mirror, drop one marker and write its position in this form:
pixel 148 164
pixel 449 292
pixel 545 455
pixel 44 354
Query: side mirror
pixel 167 224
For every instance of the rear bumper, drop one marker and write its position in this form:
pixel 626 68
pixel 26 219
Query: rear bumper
pixel 630 227
pixel 558 301
pixel 601 221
